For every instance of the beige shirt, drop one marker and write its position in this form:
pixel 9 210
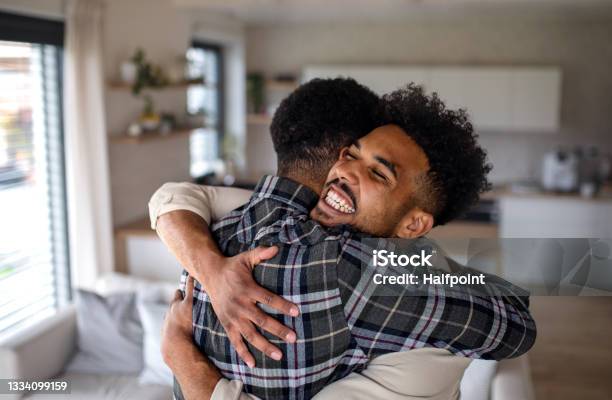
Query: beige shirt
pixel 427 373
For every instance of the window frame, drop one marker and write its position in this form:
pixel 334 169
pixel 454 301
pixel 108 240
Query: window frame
pixel 26 29
pixel 220 88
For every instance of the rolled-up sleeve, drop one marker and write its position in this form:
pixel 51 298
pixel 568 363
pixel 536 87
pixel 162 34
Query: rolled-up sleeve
pixel 230 390
pixel 208 202
pixel 425 373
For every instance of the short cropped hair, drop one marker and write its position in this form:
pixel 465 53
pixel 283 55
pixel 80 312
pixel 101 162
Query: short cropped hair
pixel 319 118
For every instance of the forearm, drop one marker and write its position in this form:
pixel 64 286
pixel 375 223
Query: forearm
pixel 521 330
pixel 512 330
pixel 188 238
pixel 196 376
pixel 181 213
pixel 510 305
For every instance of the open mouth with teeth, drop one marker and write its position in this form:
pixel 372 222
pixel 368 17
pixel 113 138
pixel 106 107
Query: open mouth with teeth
pixel 338 202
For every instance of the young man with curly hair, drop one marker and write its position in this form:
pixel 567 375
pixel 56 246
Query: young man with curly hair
pixel 420 167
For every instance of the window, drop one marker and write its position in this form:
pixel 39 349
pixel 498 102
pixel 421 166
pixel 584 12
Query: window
pixel 34 268
pixel 205 102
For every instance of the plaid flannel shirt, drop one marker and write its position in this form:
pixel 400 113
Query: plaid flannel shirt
pixel 342 322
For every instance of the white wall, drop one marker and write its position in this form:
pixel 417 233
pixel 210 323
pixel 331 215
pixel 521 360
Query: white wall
pixel 582 49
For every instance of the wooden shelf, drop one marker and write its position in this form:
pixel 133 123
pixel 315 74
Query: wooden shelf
pixel 151 136
pixel 115 85
pixel 139 227
pixel 465 229
pixel 259 119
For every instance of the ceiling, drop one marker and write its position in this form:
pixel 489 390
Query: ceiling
pixel 293 11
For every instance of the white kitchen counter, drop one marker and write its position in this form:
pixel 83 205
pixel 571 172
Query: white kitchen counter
pixel 554 216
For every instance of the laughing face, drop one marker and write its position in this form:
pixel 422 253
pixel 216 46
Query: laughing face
pixel 372 186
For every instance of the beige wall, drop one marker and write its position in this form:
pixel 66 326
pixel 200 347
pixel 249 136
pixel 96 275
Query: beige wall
pixel 136 170
pixel 582 49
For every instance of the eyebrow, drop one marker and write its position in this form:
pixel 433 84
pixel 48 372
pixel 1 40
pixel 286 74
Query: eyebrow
pixel 380 159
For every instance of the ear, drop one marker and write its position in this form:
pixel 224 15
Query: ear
pixel 415 223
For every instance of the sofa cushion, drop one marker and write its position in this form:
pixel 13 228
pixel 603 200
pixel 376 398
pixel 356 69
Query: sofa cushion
pixel 477 380
pixel 107 387
pixel 115 282
pixel 152 316
pixel 109 338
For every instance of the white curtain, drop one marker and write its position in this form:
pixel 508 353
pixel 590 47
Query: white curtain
pixel 89 207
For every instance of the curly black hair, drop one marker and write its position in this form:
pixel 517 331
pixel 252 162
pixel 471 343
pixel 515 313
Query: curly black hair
pixel 458 166
pixel 321 116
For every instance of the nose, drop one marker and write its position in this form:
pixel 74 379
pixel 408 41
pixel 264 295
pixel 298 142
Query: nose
pixel 348 172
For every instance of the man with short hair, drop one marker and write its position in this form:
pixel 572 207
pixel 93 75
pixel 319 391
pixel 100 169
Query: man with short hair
pixel 420 167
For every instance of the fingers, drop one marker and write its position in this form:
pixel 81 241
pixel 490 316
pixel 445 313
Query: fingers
pixel 189 289
pixel 178 296
pixel 275 301
pixel 243 352
pixel 260 343
pixel 256 256
pixel 271 325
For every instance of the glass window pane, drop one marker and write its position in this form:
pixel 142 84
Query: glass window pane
pixel 205 100
pixel 33 252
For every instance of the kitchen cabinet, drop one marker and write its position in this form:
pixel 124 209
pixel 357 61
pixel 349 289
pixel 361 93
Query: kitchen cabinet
pixel 536 99
pixel 498 99
pixel 484 92
pixel 503 99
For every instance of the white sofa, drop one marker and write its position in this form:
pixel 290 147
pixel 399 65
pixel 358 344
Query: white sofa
pixel 44 350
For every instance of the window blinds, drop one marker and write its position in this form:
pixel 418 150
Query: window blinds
pixel 34 273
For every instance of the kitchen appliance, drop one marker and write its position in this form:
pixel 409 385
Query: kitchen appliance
pixel 561 171
pixel 594 170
